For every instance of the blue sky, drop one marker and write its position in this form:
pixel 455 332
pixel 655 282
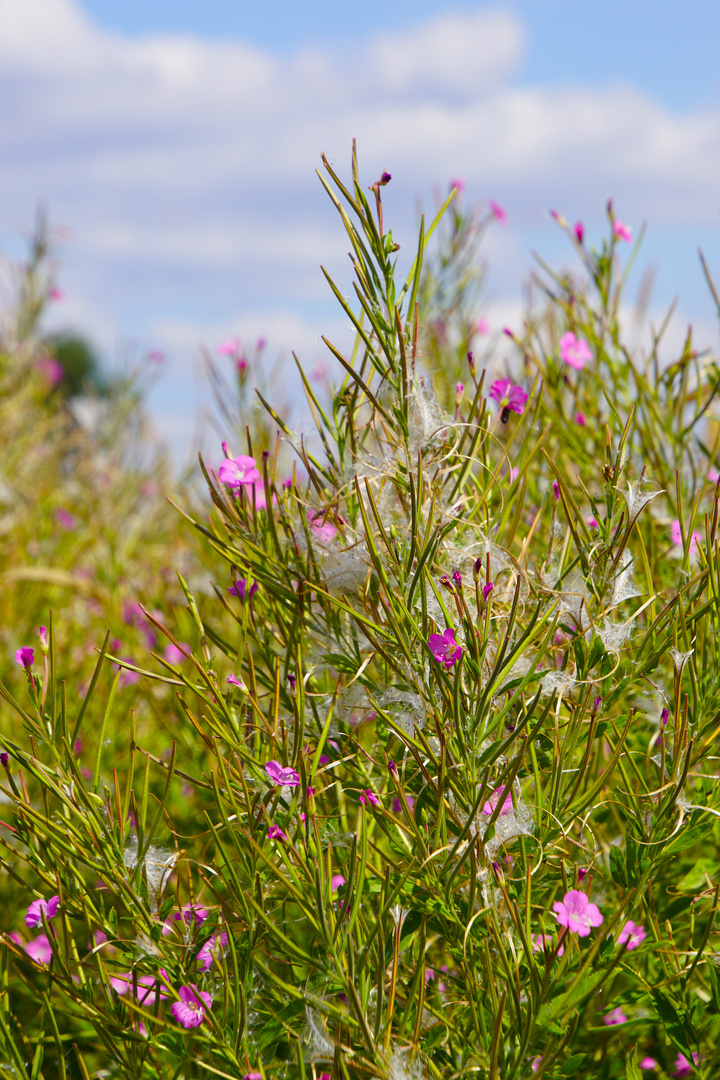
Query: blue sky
pixel 179 140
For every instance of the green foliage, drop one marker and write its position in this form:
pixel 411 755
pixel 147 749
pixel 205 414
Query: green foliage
pixel 390 911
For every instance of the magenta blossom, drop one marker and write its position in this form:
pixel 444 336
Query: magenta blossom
pixel 188 915
pixel 253 1076
pixel 502 793
pixel 175 654
pixel 336 881
pixel 369 798
pixel 241 590
pixel 676 538
pixel 237 471
pixel 683 1066
pixel 143 987
pixel 64 518
pixel 649 1063
pixel 579 230
pixel 616 1016
pixel 498 212
pixel 39 949
pixel 38 907
pixel 445 648
pixel 190 1009
pixel 482 326
pixel 276 833
pixel 487 589
pixel 323 529
pixel 622 232
pixel 231 347
pixel 577 913
pixel 574 351
pixel 580 419
pixel 508 396
pixel 25 657
pixel 633 934
pixel 234 681
pixel 284 777
pixel 213 948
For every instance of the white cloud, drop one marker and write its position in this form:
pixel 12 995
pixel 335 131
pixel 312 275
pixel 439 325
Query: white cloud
pixel 186 167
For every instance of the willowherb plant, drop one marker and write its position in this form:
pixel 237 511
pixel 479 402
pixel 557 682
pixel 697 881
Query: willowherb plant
pixel 445 741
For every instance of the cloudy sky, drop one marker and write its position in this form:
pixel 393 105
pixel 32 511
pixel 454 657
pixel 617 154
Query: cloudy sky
pixel 178 141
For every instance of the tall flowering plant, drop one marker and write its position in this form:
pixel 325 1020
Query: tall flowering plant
pixel 441 751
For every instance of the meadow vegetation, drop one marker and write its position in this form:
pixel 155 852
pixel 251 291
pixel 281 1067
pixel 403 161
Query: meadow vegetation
pixel 389 754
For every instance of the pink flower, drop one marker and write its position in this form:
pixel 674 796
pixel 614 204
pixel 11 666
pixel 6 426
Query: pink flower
pixel 213 948
pixel 580 419
pixel 592 523
pixel 276 833
pixel 675 536
pixel 577 913
pixel 507 805
pixel 633 934
pixel 25 657
pixel 234 681
pixel 622 232
pixel 65 519
pixel 56 294
pixel 683 1066
pixel 39 949
pixel 323 529
pixel 369 798
pixel 146 987
pixel 38 907
pixel 190 1009
pixel 156 356
pixel 487 589
pixel 713 476
pixel 459 186
pixel 240 589
pixel 445 648
pixel 535 1063
pixel 189 914
pixel 579 230
pixel 231 347
pixel 649 1063
pixel 556 490
pixel 498 212
pixel 616 1016
pixel 482 326
pixel 237 471
pixel 574 351
pixel 509 396
pixel 253 1076
pixel 175 654
pixel 284 777
pixel 336 881
pixel 459 388
pixel 541 942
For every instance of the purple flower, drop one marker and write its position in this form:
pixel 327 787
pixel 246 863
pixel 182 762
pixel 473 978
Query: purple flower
pixel 35 911
pixel 231 347
pixel 213 948
pixel 43 635
pixel 253 1076
pixel 445 648
pixel 369 798
pixel 25 657
pixel 284 777
pixel 508 396
pixel 146 987
pixel 503 793
pixel 623 232
pixel 336 881
pixel 574 351
pixel 577 913
pixel 579 230
pixel 664 717
pixel 276 833
pixel 683 1066
pixel 188 914
pixel 633 934
pixel 240 589
pixel 498 212
pixel 649 1063
pixel 675 536
pixel 175 654
pixel 4 759
pixel 64 518
pixel 39 949
pixel 457 577
pixel 237 471
pixel 487 589
pixel 190 1009
pixel 323 529
pixel 234 681
pixel 482 326
pixel 556 490
pixel 616 1016
pixel 580 419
